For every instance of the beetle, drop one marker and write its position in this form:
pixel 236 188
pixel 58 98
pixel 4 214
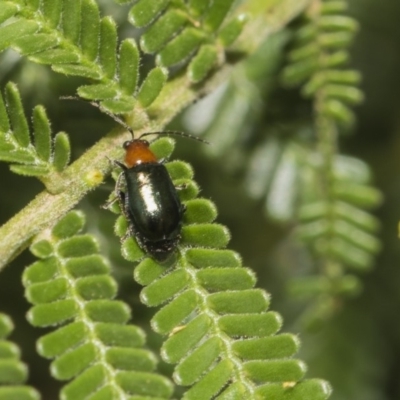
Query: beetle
pixel 150 202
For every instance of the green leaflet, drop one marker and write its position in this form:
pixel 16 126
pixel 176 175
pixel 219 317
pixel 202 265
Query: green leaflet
pixel 143 12
pixel 15 31
pixel 151 86
pixel 13 373
pixel 202 63
pixel 181 47
pixel 303 390
pixel 90 29
pixel 16 115
pixel 62 151
pixel 229 33
pixel 72 286
pixel 169 24
pixel 42 133
pixel 7 11
pixel 216 14
pixel 108 47
pixel 216 323
pixel 129 66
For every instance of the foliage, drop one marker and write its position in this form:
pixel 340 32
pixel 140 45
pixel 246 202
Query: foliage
pixel 297 170
pixel 71 285
pixel 13 373
pixel 278 124
pixel 40 158
pixel 209 304
pixel 333 221
pixel 71 37
pixel 187 30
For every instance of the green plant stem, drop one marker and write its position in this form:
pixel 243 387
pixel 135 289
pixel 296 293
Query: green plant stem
pixel 327 147
pixel 46 209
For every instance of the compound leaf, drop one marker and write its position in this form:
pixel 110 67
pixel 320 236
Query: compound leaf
pixel 94 338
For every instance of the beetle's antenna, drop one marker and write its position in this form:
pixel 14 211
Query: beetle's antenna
pixel 128 128
pixel 171 133
pixel 103 110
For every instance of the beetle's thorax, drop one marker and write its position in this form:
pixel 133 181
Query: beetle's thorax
pixel 138 152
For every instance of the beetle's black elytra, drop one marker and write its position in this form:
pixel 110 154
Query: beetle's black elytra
pixel 150 202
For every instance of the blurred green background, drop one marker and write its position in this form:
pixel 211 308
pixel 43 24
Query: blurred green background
pixel 358 350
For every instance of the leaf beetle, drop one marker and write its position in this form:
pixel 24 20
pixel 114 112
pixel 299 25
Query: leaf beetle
pixel 150 202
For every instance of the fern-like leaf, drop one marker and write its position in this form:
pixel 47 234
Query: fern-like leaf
pixel 336 191
pixel 71 285
pixel 338 228
pixel 221 335
pixel 187 30
pixel 38 158
pixel 299 176
pixel 70 36
pixel 13 373
pixel 319 57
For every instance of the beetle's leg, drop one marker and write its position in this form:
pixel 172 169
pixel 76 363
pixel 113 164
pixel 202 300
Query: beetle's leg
pixel 117 192
pixel 128 233
pixel 123 204
pixel 126 236
pixel 110 202
pixel 140 242
pixel 122 201
pixel 117 185
pixel 183 186
pixel 116 163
